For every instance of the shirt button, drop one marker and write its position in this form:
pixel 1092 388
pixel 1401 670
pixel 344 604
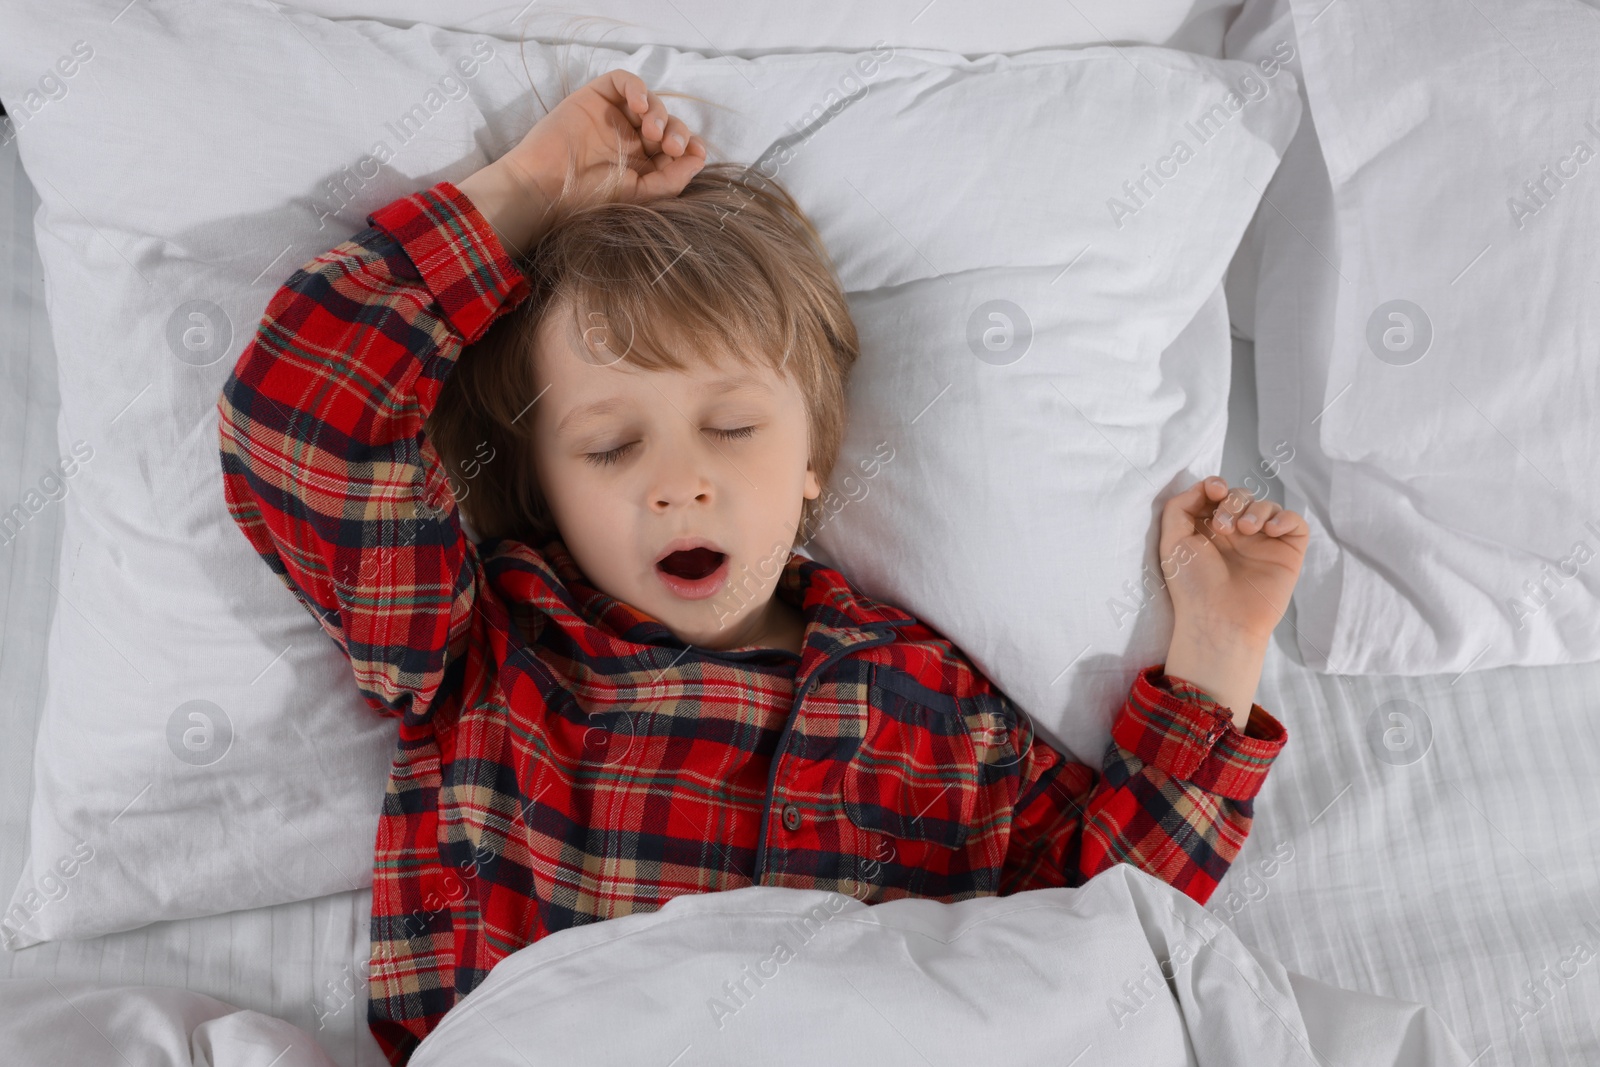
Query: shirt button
pixel 791 816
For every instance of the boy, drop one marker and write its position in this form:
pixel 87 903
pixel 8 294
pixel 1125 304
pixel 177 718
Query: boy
pixel 591 728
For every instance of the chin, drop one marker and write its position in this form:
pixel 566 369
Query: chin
pixel 705 636
pixel 719 632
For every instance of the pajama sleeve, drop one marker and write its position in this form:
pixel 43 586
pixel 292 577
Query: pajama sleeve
pixel 1174 795
pixel 325 466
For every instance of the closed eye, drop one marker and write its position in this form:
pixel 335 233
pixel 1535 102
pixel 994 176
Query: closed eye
pixel 614 455
pixel 607 458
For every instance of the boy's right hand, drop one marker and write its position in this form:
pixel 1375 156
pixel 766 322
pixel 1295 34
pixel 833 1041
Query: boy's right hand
pixel 613 136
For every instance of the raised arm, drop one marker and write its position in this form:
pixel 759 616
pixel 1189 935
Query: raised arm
pixel 1174 796
pixel 325 465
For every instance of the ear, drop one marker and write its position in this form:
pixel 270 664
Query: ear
pixel 813 487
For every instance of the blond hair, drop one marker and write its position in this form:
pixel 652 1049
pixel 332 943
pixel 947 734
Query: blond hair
pixel 731 266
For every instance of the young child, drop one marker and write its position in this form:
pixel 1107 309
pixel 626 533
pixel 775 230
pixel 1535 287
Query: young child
pixel 632 687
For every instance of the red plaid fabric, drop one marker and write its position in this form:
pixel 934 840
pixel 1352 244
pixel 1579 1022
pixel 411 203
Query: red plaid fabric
pixel 562 758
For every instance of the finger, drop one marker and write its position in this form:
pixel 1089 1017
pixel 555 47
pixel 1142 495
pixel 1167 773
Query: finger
pixel 1179 514
pixel 1228 508
pixel 644 110
pixel 672 176
pixel 1212 490
pixel 624 90
pixel 652 125
pixel 1255 516
pixel 1235 501
pixel 1195 500
pixel 1182 517
pixel 1287 525
pixel 676 138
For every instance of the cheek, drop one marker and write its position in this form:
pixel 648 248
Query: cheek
pixel 783 452
pixel 788 456
pixel 582 499
pixel 791 436
pixel 594 521
pixel 577 502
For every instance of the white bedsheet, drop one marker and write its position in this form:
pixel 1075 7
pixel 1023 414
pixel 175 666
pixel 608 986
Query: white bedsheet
pixel 48 1022
pixel 1464 880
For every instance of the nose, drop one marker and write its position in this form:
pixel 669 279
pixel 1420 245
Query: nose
pixel 680 481
pixel 666 499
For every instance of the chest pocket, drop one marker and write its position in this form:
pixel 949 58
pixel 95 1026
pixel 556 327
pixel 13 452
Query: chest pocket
pixel 915 774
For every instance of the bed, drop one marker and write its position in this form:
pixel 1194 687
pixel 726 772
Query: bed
pixel 1456 867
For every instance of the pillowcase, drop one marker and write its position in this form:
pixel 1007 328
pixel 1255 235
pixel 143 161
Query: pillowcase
pixel 1033 415
pixel 1437 343
pixel 201 748
pixel 744 29
pixel 1281 288
pixel 1015 512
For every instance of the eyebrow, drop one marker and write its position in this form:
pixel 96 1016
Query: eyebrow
pixel 597 408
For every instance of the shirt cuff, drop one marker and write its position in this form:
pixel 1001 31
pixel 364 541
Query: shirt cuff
pixel 457 254
pixel 1179 729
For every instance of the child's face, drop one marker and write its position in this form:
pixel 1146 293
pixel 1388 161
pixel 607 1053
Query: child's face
pixel 673 473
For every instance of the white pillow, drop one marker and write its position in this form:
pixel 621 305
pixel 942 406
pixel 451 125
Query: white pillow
pixel 1445 335
pixel 736 27
pixel 1005 519
pixel 1018 515
pixel 1281 289
pixel 202 748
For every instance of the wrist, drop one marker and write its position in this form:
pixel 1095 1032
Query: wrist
pixel 518 211
pixel 1223 661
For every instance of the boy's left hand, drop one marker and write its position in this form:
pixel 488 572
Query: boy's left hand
pixel 1230 561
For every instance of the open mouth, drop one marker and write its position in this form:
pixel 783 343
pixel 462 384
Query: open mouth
pixel 691 564
pixel 693 570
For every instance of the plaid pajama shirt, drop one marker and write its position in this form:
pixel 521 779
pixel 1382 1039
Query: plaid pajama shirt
pixel 563 758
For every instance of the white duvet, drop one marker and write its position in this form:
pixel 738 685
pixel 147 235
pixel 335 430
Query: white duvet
pixel 1124 970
